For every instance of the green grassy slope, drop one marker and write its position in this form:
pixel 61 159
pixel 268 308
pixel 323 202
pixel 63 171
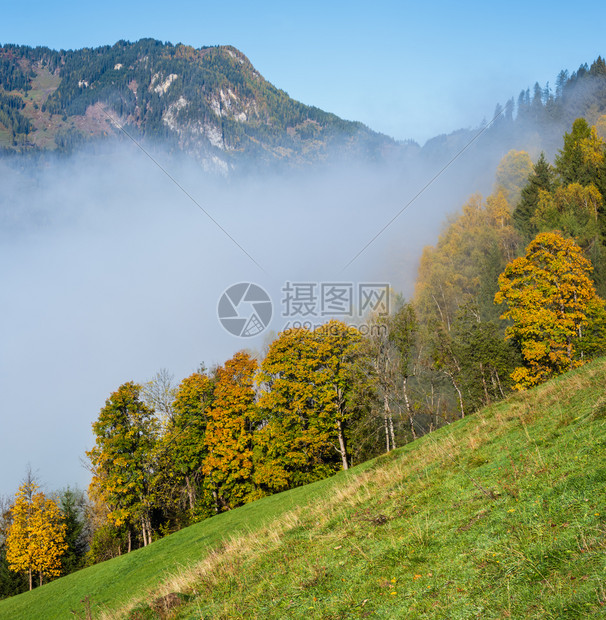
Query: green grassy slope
pixel 114 582
pixel 502 514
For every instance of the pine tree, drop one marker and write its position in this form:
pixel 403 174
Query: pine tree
pixel 543 178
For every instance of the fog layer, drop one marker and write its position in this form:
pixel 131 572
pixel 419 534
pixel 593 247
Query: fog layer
pixel 110 272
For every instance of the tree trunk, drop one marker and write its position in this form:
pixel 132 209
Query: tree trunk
pixel 30 577
pixel 342 446
pixel 149 529
pixel 456 387
pixel 40 577
pixel 486 396
pixel 408 408
pixel 129 541
pixel 190 493
pixel 499 384
pixel 386 434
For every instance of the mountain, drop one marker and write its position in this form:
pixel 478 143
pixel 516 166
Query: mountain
pixel 209 102
pixel 497 515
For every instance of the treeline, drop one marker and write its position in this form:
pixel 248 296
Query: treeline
pixel 168 456
pixel 538 116
pixel 508 298
pixel 10 115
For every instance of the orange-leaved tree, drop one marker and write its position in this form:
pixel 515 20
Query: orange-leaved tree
pixel 557 318
pixel 228 464
pixel 35 539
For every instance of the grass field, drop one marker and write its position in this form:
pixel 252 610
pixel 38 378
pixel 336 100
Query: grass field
pixel 500 515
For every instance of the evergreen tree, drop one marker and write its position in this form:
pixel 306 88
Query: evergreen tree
pixel 543 178
pixel 73 508
pixel 581 160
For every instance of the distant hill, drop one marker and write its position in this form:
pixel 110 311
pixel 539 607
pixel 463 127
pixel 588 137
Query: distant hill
pixel 498 515
pixel 210 102
pixel 539 117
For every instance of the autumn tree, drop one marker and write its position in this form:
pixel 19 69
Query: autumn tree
pixel 388 345
pixel 159 394
pixel 464 265
pixel 35 540
pixel 512 174
pixel 305 404
pixel 228 463
pixel 182 449
pixel 121 463
pixel 552 304
pixel 10 583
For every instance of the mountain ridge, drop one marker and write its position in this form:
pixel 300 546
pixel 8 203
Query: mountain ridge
pixel 209 102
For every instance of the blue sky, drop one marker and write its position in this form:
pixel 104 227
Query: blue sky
pixel 411 70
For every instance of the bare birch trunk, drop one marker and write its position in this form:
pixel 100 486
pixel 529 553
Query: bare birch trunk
pixel 391 433
pixel 190 493
pixel 388 423
pixel 408 408
pixel 342 446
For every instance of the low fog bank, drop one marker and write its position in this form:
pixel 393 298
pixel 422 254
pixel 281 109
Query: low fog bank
pixel 109 272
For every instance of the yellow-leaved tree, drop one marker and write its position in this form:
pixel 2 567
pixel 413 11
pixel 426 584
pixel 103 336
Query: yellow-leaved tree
pixel 557 319
pixel 35 540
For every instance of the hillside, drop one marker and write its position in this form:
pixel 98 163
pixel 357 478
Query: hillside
pixel 501 514
pixel 209 102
